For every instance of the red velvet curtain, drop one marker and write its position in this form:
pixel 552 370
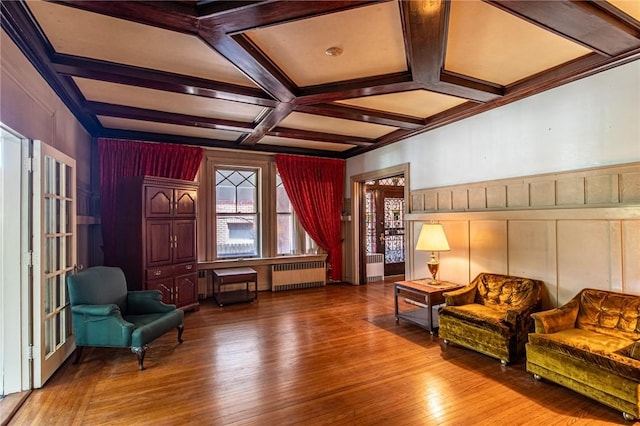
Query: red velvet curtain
pixel 119 158
pixel 315 187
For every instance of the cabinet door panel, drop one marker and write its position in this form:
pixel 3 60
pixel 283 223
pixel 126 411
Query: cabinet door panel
pixel 186 290
pixel 158 238
pixel 185 203
pixel 184 232
pixel 158 201
pixel 165 286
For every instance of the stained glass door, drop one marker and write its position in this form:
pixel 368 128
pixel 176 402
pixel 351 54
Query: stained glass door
pixel 393 235
pixel 54 257
pixel 384 222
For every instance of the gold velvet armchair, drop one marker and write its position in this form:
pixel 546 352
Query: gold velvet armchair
pixel 591 345
pixel 491 315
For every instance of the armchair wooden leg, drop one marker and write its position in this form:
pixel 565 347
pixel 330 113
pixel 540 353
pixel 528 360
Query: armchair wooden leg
pixel 140 352
pixel 180 331
pixel 78 354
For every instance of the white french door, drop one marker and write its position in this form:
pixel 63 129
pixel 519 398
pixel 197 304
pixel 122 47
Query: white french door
pixel 54 257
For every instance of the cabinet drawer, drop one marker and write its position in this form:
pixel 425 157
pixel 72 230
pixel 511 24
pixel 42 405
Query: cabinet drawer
pixel 185 268
pixel 160 272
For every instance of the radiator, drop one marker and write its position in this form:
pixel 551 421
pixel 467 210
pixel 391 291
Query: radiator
pixel 375 267
pixel 290 276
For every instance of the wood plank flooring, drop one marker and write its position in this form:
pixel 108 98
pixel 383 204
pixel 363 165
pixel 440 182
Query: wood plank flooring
pixel 328 356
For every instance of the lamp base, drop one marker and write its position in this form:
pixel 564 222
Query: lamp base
pixel 433 265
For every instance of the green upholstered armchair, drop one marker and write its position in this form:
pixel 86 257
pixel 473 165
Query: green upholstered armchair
pixel 491 315
pixel 105 314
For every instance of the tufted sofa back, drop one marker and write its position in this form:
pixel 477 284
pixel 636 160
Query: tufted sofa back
pixel 608 312
pixel 503 292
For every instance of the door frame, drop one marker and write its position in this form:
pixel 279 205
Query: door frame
pixel 358 254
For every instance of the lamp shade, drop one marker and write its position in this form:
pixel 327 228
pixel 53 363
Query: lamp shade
pixel 432 238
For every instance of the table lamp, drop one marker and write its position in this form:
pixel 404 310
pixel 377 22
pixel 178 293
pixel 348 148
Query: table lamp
pixel 433 239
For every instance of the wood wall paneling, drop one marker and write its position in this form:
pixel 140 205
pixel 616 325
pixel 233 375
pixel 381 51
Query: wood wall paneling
pixel 602 189
pixel 454 264
pixel 571 230
pixel 630 187
pixel 570 191
pixel 417 202
pixel 488 247
pixel 477 198
pixel 518 195
pixel 531 247
pixel 496 197
pixel 444 200
pixel 542 194
pixel 431 200
pixel 589 255
pixel 631 256
pixel 460 199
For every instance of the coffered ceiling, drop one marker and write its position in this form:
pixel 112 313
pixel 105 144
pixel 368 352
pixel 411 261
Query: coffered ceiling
pixel 326 78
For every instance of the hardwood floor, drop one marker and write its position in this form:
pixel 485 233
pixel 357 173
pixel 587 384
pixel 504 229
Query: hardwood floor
pixel 332 355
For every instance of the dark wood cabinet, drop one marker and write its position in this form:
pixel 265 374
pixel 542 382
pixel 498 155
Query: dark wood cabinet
pixel 157 237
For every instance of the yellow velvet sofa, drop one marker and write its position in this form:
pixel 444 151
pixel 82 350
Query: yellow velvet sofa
pixel 592 346
pixel 491 315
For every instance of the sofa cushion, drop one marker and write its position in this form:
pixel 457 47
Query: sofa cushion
pixel 502 292
pixel 615 314
pixel 478 315
pixel 606 351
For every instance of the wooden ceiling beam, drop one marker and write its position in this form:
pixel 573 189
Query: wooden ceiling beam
pixel 221 7
pixel 600 28
pixel 357 88
pixel 425 24
pixel 270 120
pixel 212 143
pixel 362 114
pixel 120 111
pixel 320 137
pixel 169 15
pixel 124 74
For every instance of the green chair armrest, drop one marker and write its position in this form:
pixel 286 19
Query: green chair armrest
pixel 463 296
pixel 96 310
pixel 147 302
pixel 557 319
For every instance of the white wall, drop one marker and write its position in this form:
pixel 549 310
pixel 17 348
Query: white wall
pixel 591 122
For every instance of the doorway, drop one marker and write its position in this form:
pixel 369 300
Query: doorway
pixel 384 219
pixel 370 193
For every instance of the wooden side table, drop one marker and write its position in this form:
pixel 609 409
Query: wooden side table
pixel 423 297
pixel 223 277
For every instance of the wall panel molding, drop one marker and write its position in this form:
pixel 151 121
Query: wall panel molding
pixel 597 187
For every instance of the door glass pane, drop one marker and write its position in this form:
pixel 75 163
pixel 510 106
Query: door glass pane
pixel 370 222
pixel 48 336
pixel 48 296
pixel 68 181
pixel 67 216
pixel 394 229
pixel 68 252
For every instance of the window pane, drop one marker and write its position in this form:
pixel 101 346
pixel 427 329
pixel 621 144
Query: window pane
pixel 283 205
pixel 237 236
pixel 236 191
pixel 285 234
